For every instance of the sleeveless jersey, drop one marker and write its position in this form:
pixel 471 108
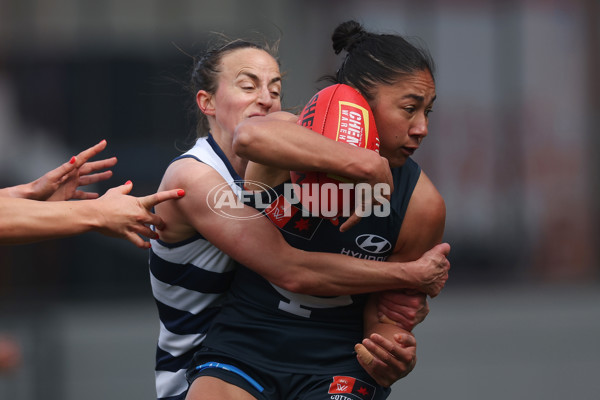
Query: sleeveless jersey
pixel 189 280
pixel 268 327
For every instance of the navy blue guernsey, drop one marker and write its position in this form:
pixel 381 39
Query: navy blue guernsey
pixel 268 327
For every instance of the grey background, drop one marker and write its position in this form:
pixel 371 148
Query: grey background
pixel 513 148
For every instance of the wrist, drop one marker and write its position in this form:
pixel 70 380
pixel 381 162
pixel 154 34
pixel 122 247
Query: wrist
pixel 405 276
pixel 23 191
pixel 362 165
pixel 88 214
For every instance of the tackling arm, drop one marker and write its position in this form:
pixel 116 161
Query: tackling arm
pixel 290 268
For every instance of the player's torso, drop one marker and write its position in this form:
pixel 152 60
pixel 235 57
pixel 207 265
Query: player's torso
pixel 301 330
pixel 189 281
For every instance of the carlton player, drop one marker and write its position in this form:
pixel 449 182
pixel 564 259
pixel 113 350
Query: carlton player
pixel 269 343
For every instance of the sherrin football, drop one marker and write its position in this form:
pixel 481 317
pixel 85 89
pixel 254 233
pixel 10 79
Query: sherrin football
pixel 340 113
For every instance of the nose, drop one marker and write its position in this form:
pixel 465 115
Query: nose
pixel 419 127
pixel 264 98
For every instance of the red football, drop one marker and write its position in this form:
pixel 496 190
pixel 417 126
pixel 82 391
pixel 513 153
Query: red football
pixel 341 113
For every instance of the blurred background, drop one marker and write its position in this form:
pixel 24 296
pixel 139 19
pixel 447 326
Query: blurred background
pixel 513 148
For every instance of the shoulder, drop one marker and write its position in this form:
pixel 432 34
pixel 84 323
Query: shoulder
pixel 427 204
pixel 183 219
pixel 184 171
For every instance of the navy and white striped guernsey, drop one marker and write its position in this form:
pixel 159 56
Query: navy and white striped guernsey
pixel 189 280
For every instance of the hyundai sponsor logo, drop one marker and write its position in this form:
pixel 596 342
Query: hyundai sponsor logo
pixel 374 244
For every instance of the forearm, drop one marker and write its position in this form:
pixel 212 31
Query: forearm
pixel 286 145
pixel 26 221
pixel 17 192
pixel 336 274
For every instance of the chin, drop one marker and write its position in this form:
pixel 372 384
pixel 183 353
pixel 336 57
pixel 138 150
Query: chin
pixel 397 161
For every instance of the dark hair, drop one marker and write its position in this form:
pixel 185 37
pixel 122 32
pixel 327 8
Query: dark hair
pixel 375 58
pixel 206 69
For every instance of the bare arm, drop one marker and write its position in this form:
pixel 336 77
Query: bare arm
pixel 423 227
pixel 388 352
pixel 292 269
pixel 278 142
pixel 114 214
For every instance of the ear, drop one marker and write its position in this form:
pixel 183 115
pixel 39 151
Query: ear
pixel 205 103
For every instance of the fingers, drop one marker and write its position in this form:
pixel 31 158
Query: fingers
pixel 60 174
pixel 396 319
pixel 386 350
pixel 145 231
pixel 443 248
pixel 138 241
pixel 85 155
pixel 363 355
pixel 151 200
pixel 81 195
pixel 94 166
pixel 384 319
pixel 350 222
pixel 85 180
pixel 385 360
pixel 126 187
pixel 405 340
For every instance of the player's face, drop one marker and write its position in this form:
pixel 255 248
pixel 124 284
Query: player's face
pixel 401 115
pixel 249 85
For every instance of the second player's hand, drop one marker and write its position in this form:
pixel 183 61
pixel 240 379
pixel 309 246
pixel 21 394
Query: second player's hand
pixel 386 361
pixel 403 308
pixel 382 186
pixel 84 173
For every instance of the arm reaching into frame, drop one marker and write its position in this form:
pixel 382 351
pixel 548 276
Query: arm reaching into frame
pixel 115 214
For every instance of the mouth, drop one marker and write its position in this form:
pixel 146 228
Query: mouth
pixel 256 115
pixel 409 150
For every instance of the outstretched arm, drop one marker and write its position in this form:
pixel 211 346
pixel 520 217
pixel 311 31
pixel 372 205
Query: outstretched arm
pixel 114 214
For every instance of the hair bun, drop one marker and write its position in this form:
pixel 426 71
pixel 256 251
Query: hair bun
pixel 347 35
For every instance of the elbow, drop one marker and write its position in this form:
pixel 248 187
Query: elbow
pixel 292 284
pixel 297 283
pixel 244 138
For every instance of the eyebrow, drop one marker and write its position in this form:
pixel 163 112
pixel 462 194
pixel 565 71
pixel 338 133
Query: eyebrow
pixel 418 97
pixel 256 78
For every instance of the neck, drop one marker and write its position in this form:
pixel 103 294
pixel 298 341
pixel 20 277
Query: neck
pixel 224 141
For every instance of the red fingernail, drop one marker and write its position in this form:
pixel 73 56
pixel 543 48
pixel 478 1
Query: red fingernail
pixel 128 183
pixel 181 193
pixel 72 160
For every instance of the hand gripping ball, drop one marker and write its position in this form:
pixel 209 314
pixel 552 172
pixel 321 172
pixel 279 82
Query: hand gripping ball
pixel 340 113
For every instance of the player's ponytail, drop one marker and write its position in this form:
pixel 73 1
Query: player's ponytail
pixel 374 59
pixel 347 35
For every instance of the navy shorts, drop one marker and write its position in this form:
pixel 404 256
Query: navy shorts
pixel 276 384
